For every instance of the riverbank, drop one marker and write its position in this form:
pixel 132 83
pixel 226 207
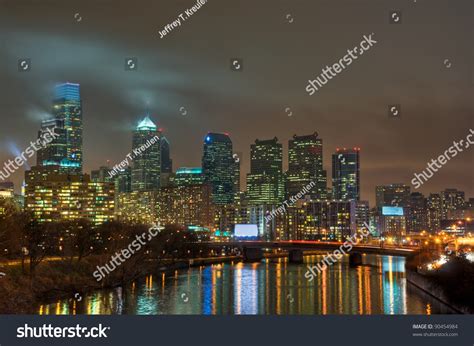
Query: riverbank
pixel 451 284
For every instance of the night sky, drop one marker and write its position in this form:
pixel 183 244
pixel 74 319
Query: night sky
pixel 190 68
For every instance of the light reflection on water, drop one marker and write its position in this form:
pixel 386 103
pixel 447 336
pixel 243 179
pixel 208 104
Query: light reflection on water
pixel 269 287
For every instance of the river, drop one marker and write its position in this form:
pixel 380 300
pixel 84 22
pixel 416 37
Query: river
pixel 272 286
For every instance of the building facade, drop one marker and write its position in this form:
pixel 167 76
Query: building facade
pixel 219 167
pixel 346 174
pixel 146 166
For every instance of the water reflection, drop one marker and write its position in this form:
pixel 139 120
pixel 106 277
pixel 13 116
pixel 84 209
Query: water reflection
pixel 270 287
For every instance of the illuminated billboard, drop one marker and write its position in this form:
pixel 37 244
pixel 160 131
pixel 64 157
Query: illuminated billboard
pixel 392 211
pixel 245 230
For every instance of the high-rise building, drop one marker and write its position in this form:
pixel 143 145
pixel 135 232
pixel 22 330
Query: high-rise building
pixel 166 161
pixel 305 165
pixel 146 156
pixel 187 205
pixel 52 195
pixel 321 220
pixel 66 149
pixel 392 195
pixel 392 226
pixel 434 206
pixel 416 213
pixel 265 180
pixel 123 180
pixel 237 157
pixel 67 108
pixel 138 207
pixel 55 152
pixel 451 200
pixel 219 167
pixel 362 214
pixel 346 174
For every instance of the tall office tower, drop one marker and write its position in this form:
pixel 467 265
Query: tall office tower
pixel 362 216
pixel 166 161
pixel 392 195
pixel 218 167
pixel 123 180
pixel 67 109
pixel 305 165
pixel 434 206
pixel 417 213
pixel 237 157
pixel 346 174
pixel 265 180
pixel 451 200
pixel 146 155
pixel 55 152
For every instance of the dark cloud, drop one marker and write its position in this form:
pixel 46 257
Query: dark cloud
pixel 190 68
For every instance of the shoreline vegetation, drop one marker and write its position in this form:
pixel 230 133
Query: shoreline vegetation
pixel 39 261
pixel 451 283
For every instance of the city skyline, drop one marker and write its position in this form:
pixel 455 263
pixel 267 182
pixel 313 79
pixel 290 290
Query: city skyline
pixel 144 123
pixel 192 91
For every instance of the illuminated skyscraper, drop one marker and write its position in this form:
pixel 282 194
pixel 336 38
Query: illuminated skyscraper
pixel 416 213
pixel 434 205
pixel 451 200
pixel 66 150
pixel 218 167
pixel 346 174
pixel 265 180
pixel 305 165
pixel 146 154
pixel 166 161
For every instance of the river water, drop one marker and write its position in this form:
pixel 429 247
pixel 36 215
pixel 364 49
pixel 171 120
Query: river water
pixel 272 286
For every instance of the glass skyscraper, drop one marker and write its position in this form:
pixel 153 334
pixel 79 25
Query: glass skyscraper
pixel 66 150
pixel 146 155
pixel 305 165
pixel 166 162
pixel 218 167
pixel 265 180
pixel 346 174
